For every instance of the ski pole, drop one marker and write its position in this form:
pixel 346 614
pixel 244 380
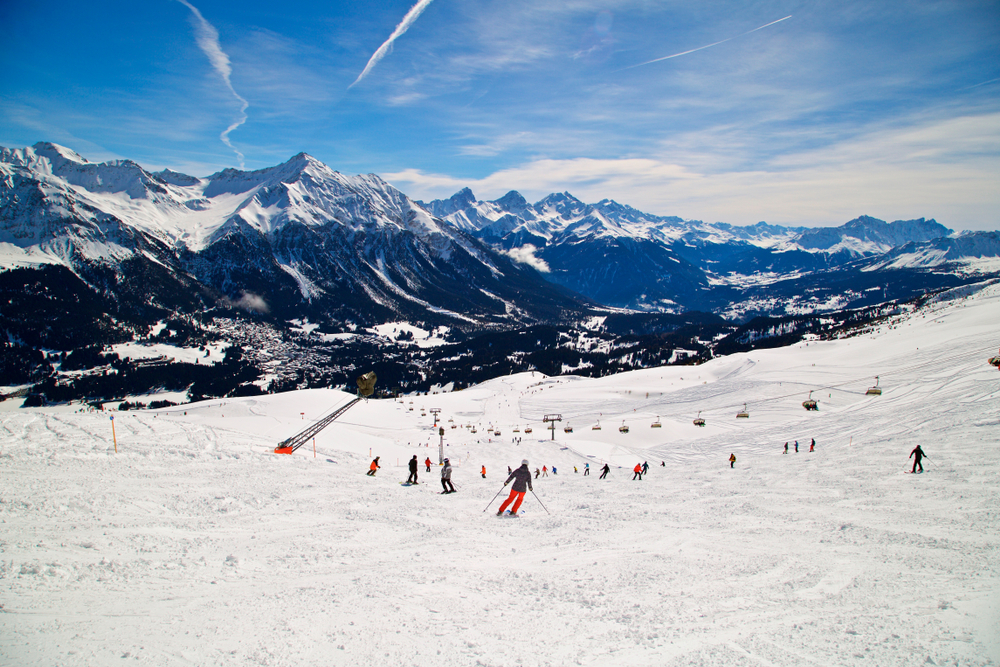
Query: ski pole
pixel 496 496
pixel 540 502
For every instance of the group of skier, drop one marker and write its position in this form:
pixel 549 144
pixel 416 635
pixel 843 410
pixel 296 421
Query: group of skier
pixel 521 476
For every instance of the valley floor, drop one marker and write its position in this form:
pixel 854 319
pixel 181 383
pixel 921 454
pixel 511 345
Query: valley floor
pixel 195 544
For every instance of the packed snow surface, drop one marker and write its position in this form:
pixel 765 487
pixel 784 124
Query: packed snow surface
pixel 194 544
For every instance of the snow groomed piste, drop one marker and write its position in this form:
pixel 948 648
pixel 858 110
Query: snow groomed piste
pixel 196 544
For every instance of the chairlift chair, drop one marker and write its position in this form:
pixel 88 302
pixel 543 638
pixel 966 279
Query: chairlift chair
pixel 657 423
pixel 623 428
pixel 596 427
pixel 698 421
pixel 995 361
pixel 874 391
pixel 517 430
pixel 568 429
pixel 743 414
pixel 810 403
pixel 527 429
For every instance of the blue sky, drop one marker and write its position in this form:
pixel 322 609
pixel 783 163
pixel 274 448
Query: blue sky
pixel 890 109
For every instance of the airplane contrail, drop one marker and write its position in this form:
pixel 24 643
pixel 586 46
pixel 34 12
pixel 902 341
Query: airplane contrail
pixel 386 47
pixel 207 38
pixel 707 46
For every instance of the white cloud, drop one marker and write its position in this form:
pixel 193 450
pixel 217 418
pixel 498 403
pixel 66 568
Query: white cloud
pixel 526 255
pixel 383 51
pixel 207 38
pixel 946 169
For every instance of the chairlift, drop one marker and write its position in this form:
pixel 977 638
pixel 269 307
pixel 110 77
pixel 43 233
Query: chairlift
pixel 810 403
pixel 743 414
pixel 517 430
pixel 698 421
pixel 474 430
pixel 496 433
pixel 623 428
pixel 454 425
pixel 527 429
pixel 995 361
pixel 874 391
pixel 657 423
pixel 568 429
pixel 596 427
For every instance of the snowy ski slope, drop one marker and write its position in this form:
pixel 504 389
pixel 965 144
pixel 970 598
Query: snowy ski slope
pixel 195 545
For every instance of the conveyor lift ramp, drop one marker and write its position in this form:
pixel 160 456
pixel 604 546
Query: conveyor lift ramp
pixel 297 440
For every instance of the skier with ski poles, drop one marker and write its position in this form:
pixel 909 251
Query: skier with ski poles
pixel 427 462
pixel 446 478
pixel 604 471
pixel 373 467
pixel 917 454
pixel 522 482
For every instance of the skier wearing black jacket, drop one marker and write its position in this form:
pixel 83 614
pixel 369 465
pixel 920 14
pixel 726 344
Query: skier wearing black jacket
pixel 412 479
pixel 522 482
pixel 917 454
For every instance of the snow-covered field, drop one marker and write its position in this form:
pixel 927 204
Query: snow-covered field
pixel 194 544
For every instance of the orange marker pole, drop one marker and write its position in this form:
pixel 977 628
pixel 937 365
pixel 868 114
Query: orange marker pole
pixel 113 436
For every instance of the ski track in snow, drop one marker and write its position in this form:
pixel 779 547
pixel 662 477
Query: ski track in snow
pixel 195 545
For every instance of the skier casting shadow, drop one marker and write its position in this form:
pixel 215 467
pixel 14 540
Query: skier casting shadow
pixel 917 454
pixel 522 481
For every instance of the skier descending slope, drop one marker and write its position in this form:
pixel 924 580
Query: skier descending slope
pixel 522 483
pixel 373 467
pixel 446 478
pixel 412 479
pixel 917 455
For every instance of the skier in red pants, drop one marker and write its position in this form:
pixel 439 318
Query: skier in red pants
pixel 522 482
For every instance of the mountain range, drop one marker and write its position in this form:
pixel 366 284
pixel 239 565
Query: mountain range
pixel 625 258
pixel 94 254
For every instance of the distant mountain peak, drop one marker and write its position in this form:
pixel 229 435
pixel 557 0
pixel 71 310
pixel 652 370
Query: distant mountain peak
pixel 512 202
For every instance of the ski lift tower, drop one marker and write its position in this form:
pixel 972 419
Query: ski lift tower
pixel 435 412
pixel 551 420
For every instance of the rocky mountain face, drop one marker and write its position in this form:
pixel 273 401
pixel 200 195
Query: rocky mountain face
pixel 295 240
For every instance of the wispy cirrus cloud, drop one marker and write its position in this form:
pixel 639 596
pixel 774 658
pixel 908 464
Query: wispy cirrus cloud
pixel 707 46
pixel 383 51
pixel 942 168
pixel 207 38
